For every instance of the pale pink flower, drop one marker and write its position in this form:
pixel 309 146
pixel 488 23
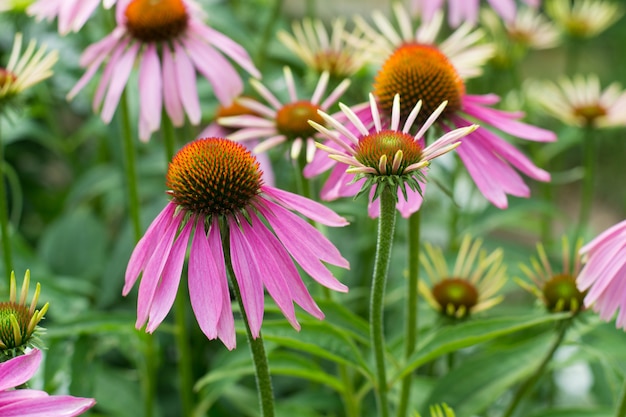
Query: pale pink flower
pixel 420 68
pixel 218 194
pixel 71 14
pixel 31 402
pixel 387 156
pixel 283 122
pixel 171 44
pixel 604 274
pixel 460 11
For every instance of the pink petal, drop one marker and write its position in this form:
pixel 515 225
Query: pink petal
pixel 118 82
pixel 18 370
pixel 150 87
pixel 57 406
pixel 309 208
pixel 173 104
pixel 187 88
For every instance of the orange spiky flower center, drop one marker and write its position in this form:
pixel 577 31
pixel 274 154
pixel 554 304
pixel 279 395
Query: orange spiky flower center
pixel 589 114
pixel 6 77
pixel 455 296
pixel 292 120
pixel 561 294
pixel 235 109
pixel 388 142
pixel 214 176
pixel 419 72
pixel 156 20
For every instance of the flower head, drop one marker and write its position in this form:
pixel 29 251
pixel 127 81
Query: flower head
pixel 580 101
pixel 418 67
pixel 24 69
pixel 220 202
pixel 171 43
pixel 603 274
pixel 472 286
pixel 33 403
pixel 324 52
pixel 584 18
pixel 385 157
pixel 283 122
pixel 556 288
pixel 466 11
pixel 18 321
pixel 72 14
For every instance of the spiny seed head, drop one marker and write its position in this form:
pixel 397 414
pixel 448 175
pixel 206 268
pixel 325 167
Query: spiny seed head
pixel 292 120
pixel 419 72
pixel 562 294
pixel 213 176
pixel 156 20
pixel 455 296
pixel 372 147
pixel 235 109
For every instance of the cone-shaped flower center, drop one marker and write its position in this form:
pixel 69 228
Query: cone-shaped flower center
pixel 455 296
pixel 14 325
pixel 419 72
pixel 213 176
pixel 335 62
pixel 293 119
pixel 235 109
pixel 156 20
pixel 6 77
pixel 387 144
pixel 561 294
pixel 590 113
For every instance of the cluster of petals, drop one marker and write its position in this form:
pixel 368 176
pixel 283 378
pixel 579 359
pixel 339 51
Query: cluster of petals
pixel 580 101
pixel 342 141
pixel 264 126
pixel 167 70
pixel 460 11
pixel 31 402
pixel 604 274
pixel 71 14
pixel 584 18
pixel 264 242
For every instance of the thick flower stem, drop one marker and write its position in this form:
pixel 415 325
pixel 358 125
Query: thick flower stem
pixel 185 373
pixel 386 228
pixel 257 349
pixel 532 380
pixel 7 256
pixel 130 166
pixel 621 408
pixel 589 157
pixel 410 332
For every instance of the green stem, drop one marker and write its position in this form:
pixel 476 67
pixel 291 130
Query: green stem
pixel 532 380
pixel 410 340
pixel 268 32
pixel 386 228
pixel 621 409
pixel 7 256
pixel 130 167
pixel 455 212
pixel 257 349
pixel 351 406
pixel 185 372
pixel 589 157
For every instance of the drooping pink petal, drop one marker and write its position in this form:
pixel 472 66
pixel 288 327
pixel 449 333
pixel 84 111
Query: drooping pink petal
pixel 173 103
pixel 187 88
pixel 118 82
pixel 56 405
pixel 150 86
pixel 18 370
pixel 248 277
pixel 309 208
pixel 505 8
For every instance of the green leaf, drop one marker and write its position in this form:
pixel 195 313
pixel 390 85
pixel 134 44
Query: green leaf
pixel 94 323
pixel 574 412
pixel 462 335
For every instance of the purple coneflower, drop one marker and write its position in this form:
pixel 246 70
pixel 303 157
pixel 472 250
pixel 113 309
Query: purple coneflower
pixel 170 43
pixel 283 122
pixel 30 402
pixel 387 156
pixel 418 68
pixel 604 274
pixel 218 196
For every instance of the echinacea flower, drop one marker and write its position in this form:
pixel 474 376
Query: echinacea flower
pixel 72 14
pixel 555 286
pixel 283 122
pixel 24 69
pixel 604 274
pixel 468 288
pixel 170 43
pixel 324 52
pixel 385 157
pixel 420 69
pixel 217 192
pixel 584 18
pixel 18 321
pixel 18 402
pixel 580 101
pixel 466 10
